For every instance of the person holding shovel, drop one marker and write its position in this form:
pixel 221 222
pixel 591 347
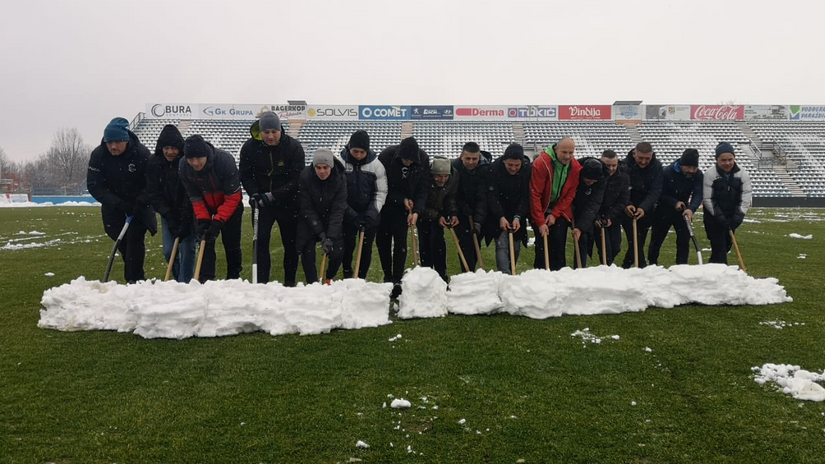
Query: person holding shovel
pixel 727 196
pixel 508 197
pixel 440 212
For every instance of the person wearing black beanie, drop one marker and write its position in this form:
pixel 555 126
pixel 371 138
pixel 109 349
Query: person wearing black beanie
pixel 727 195
pixel 408 174
pixel 586 204
pixel 508 200
pixel 681 197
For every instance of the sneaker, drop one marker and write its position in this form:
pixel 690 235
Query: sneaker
pixel 327 281
pixel 396 291
pixel 289 283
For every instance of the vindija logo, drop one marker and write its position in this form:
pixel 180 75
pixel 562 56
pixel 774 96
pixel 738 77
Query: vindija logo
pixel 587 111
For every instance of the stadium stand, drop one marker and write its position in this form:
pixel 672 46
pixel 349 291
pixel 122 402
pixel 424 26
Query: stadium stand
pixel 592 138
pixel 335 134
pixel 802 145
pixel 447 138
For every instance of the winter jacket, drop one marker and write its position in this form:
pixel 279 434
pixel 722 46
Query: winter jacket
pixel 472 189
pixel 676 187
pixel 541 187
pixel 727 197
pixel 115 180
pixel 507 196
pixel 645 184
pixel 272 169
pixel 406 182
pixel 588 201
pixel 215 190
pixel 164 188
pixel 616 195
pixel 366 185
pixel 323 202
pixel 441 201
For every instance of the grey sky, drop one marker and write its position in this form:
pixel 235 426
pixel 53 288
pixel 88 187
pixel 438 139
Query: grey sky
pixel 80 63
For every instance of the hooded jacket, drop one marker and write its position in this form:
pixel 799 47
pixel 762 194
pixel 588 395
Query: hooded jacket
pixel 441 201
pixel 645 184
pixel 727 198
pixel 406 182
pixel 616 194
pixel 115 180
pixel 508 196
pixel 588 200
pixel 323 202
pixel 164 188
pixel 541 187
pixel 366 185
pixel 273 169
pixel 215 190
pixel 472 189
pixel 676 187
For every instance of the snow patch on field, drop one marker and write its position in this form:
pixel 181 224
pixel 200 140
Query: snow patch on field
pixel 792 380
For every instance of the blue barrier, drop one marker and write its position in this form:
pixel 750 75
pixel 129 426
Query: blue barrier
pixel 57 199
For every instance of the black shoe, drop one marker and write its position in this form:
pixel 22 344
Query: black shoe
pixel 348 274
pixel 396 291
pixel 289 283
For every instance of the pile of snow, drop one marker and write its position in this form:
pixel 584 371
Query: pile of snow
pixel 804 237
pixel 792 380
pixel 781 324
pixel 31 204
pixel 588 336
pixel 173 310
pixel 424 294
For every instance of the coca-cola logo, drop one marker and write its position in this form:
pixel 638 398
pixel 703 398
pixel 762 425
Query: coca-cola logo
pixel 718 112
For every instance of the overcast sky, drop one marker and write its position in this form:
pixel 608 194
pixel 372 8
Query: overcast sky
pixel 80 63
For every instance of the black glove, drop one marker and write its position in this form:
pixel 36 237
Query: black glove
pixel 326 246
pixel 477 228
pixel 173 223
pixel 127 208
pixel 202 227
pixel 254 199
pixel 214 230
pixel 265 200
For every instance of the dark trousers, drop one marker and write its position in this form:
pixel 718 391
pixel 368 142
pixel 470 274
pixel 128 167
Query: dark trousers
pixel 720 241
pixel 432 247
pixel 391 240
pixel 585 249
pixel 132 248
pixel 231 239
pixel 642 226
pixel 351 247
pixel 306 250
pixel 288 225
pixel 465 239
pixel 557 240
pixel 659 230
pixel 612 242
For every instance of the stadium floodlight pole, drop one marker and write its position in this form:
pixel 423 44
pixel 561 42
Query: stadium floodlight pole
pixel 693 238
pixel 114 248
pixel 738 253
pixel 255 214
pixel 172 259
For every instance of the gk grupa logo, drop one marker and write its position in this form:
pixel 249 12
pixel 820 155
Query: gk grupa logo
pixel 218 111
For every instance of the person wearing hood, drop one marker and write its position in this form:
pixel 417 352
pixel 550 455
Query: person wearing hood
pixel 555 178
pixel 169 199
pixel 408 173
pixel 270 164
pixel 366 194
pixel 117 179
pixel 214 187
pixel 440 213
pixel 727 196
pixel 645 173
pixel 586 204
pixel 322 195
pixel 473 169
pixel 508 199
pixel 681 197
pixel 616 198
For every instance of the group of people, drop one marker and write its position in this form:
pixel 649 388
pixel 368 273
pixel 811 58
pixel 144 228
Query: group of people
pixel 347 202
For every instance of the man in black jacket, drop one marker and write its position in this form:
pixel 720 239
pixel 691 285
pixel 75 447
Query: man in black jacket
pixel 727 195
pixel 117 179
pixel 366 194
pixel 508 197
pixel 645 173
pixel 472 168
pixel 616 197
pixel 214 188
pixel 270 165
pixel 323 202
pixel 681 197
pixel 439 214
pixel 408 172
pixel 586 204
pixel 169 199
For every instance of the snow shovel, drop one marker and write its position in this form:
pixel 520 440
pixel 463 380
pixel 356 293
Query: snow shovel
pixel 114 249
pixel 635 244
pixel 360 248
pixel 604 250
pixel 512 254
pixel 414 246
pixel 172 259
pixel 738 253
pixel 693 238
pixel 475 243
pixel 255 214
pixel 576 248
pixel 460 253
pixel 546 253
pixel 200 260
pixel 323 267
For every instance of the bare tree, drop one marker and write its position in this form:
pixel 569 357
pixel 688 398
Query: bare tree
pixel 67 160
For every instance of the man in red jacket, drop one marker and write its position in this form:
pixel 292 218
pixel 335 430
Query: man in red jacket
pixel 553 185
pixel 212 182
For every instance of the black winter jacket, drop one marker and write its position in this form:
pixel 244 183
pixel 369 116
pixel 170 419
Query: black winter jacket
pixel 323 202
pixel 588 201
pixel 645 184
pixel 616 195
pixel 676 187
pixel 366 185
pixel 406 182
pixel 164 188
pixel 215 190
pixel 441 201
pixel 272 169
pixel 508 196
pixel 472 190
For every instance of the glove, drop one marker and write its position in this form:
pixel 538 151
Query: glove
pixel 367 222
pixel 173 223
pixel 127 208
pixel 326 246
pixel 265 200
pixel 254 199
pixel 477 228
pixel 214 230
pixel 202 227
